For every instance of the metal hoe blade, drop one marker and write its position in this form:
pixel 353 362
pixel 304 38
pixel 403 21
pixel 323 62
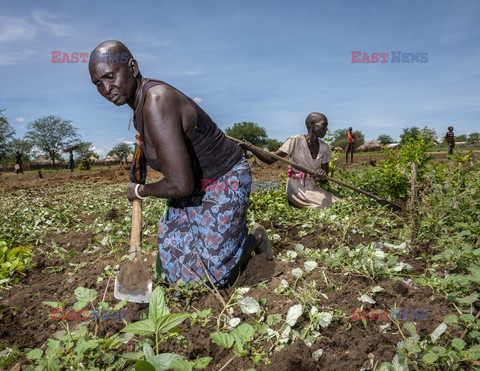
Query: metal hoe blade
pixel 136 296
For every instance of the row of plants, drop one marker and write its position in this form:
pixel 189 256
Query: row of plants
pixel 448 217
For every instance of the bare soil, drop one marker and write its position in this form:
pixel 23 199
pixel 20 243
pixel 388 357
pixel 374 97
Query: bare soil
pixel 25 319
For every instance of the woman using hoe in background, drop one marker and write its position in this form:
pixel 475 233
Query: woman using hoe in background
pixel 308 150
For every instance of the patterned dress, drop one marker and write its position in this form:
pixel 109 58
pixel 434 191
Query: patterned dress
pixel 207 231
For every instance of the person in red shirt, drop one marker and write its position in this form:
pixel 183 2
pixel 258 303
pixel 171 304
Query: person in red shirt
pixel 350 144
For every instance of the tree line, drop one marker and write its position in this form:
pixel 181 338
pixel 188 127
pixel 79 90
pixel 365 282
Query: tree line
pixel 52 136
pixel 257 135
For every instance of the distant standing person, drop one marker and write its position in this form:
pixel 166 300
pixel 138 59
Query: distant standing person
pixel 123 159
pixel 18 164
pixel 71 163
pixel 350 144
pixel 450 139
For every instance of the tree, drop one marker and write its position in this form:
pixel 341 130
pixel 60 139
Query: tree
pixel 340 138
pixel 473 138
pixel 119 148
pixel 414 132
pixel 407 133
pixel 248 131
pixel 52 134
pixel 273 144
pixel 459 138
pixel 84 150
pixel 384 139
pixel 19 145
pixel 6 134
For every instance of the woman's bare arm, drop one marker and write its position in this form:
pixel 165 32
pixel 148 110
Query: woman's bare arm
pixel 165 111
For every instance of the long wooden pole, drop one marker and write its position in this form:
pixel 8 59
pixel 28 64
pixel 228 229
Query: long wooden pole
pixel 312 172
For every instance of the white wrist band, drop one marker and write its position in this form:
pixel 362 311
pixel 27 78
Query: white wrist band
pixel 136 192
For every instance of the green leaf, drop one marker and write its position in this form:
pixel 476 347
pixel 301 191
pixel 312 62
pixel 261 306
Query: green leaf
pixel 324 319
pixel 143 328
pixel 182 365
pixel 294 312
pixel 468 300
pixel 133 355
pixel 80 304
pixel 169 321
pixel 53 366
pixel 317 354
pixel 202 362
pixel 222 339
pixel 53 344
pixel 438 332
pixel 450 319
pixel 82 347
pixel 148 351
pixel 410 328
pixel 35 354
pixel 84 294
pixel 238 349
pixel 121 304
pixel 430 358
pixel 53 304
pixel 467 317
pixel 249 305
pixel 104 305
pixel 458 343
pixel 273 319
pixel 144 366
pixel 163 361
pixel 243 333
pixel 157 307
pixel 201 314
pixel 399 364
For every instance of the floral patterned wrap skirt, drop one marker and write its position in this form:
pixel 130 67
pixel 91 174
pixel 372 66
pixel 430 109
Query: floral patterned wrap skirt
pixel 207 232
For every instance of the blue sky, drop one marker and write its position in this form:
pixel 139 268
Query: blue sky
pixel 270 62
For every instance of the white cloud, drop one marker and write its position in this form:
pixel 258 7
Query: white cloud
pixel 194 72
pixel 98 151
pixel 20 119
pixel 45 19
pixel 9 57
pixel 15 29
pixel 197 99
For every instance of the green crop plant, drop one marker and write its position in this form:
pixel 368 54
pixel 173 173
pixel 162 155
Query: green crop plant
pixel 160 322
pixel 13 260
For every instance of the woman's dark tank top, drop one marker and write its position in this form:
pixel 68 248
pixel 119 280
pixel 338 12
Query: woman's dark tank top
pixel 212 154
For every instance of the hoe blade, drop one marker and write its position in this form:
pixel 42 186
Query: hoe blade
pixel 136 296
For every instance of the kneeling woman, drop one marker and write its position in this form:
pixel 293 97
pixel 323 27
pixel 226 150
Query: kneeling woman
pixel 310 151
pixel 201 228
